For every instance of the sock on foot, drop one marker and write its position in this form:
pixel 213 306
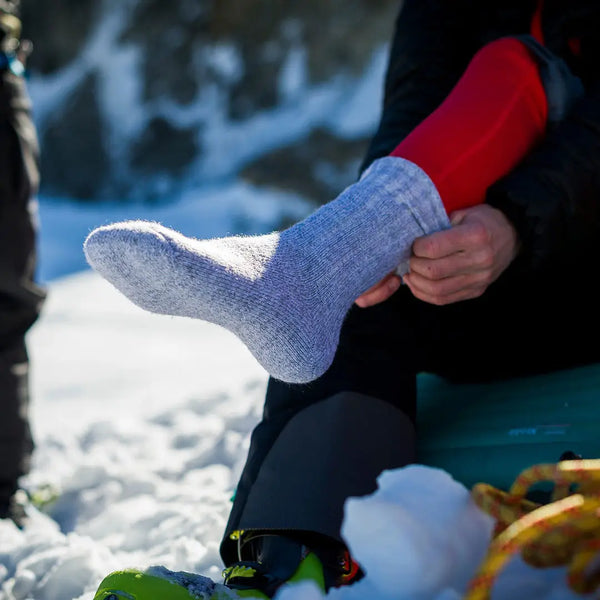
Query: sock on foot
pixel 285 295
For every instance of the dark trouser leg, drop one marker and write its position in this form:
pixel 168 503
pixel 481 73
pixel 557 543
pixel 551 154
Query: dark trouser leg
pixel 16 443
pixel 322 442
pixel 327 452
pixel 20 297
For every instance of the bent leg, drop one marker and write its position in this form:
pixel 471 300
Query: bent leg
pixel 320 443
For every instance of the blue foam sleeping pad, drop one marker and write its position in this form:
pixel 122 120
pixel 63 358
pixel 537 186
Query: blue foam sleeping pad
pixel 491 432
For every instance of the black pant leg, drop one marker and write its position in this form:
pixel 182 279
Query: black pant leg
pixel 20 297
pixel 322 442
pixel 16 444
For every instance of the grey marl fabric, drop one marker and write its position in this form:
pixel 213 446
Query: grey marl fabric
pixel 284 294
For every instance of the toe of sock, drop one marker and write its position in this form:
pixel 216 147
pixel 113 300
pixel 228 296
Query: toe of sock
pixel 133 258
pixel 101 244
pixel 110 246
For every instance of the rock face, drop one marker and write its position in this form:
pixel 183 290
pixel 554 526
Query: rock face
pixel 140 99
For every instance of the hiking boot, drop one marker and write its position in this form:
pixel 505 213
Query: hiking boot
pixel 269 560
pixel 159 583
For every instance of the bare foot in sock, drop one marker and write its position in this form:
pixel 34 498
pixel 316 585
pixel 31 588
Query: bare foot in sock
pixel 285 295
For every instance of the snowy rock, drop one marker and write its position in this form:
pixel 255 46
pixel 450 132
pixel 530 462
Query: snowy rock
pixel 160 97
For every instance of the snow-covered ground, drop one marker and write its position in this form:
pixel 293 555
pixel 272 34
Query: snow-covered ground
pixel 142 423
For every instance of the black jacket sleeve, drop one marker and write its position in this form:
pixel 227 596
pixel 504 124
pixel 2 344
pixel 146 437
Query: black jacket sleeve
pixel 432 45
pixel 553 197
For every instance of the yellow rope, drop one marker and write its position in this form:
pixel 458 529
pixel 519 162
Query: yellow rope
pixel 565 532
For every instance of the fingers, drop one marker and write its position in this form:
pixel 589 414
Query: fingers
pixel 444 243
pixel 446 291
pixel 455 264
pixel 459 263
pixel 437 245
pixel 460 276
pixel 380 292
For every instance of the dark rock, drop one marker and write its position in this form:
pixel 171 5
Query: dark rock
pixel 164 148
pixel 74 158
pixel 169 34
pixel 59 29
pixel 318 168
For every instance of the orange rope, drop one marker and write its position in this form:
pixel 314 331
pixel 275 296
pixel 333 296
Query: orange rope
pixel 565 532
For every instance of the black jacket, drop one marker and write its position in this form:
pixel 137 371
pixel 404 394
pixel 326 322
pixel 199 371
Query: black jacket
pixel 553 197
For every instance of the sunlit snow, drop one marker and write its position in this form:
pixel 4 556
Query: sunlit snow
pixel 142 422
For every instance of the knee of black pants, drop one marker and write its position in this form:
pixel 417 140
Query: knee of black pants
pixel 327 452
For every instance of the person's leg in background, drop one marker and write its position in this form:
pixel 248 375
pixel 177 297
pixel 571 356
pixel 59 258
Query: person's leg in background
pixel 16 444
pixel 20 297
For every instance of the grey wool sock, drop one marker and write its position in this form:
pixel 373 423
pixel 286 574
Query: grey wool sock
pixel 285 295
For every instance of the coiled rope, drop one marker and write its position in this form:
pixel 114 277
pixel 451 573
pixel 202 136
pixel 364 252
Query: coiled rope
pixel 564 532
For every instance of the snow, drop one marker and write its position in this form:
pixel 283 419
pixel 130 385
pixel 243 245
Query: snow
pixel 142 422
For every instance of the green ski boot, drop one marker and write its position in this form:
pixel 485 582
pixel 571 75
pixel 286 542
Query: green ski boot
pixel 158 583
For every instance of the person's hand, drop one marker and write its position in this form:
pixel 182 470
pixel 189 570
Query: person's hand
pixel 381 291
pixel 455 264
pixel 462 262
